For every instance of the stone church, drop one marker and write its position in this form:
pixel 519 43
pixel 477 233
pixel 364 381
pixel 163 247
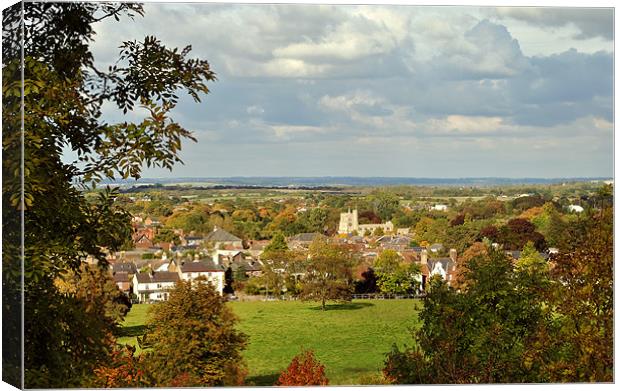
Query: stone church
pixel 349 223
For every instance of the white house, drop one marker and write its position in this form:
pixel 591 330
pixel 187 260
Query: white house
pixel 440 207
pixel 444 266
pixel 575 208
pixel 153 286
pixel 209 271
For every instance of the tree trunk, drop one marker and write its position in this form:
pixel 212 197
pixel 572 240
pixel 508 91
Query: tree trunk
pixel 323 304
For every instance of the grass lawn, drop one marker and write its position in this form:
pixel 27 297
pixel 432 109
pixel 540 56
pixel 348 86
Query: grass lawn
pixel 349 339
pixel 133 325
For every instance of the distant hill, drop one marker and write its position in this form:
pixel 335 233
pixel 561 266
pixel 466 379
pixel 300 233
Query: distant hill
pixel 345 181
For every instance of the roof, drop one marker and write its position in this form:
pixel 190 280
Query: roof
pixel 156 263
pixel 394 239
pixel 121 277
pixel 259 244
pixel 128 267
pixel 145 278
pixel 219 235
pixel 305 237
pixel 248 266
pixel 446 264
pixel 436 246
pixel 186 247
pixel 200 266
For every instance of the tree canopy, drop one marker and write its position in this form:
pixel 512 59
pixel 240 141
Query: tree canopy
pixel 196 318
pixel 529 320
pixel 64 93
pixel 329 274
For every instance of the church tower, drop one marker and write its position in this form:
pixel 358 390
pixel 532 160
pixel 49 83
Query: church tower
pixel 348 222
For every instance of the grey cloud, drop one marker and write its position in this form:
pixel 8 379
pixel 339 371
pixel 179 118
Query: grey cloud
pixel 591 22
pixel 265 107
pixel 487 51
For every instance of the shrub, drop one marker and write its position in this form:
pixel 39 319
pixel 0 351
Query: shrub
pixel 122 370
pixel 372 379
pixel 252 286
pixel 304 370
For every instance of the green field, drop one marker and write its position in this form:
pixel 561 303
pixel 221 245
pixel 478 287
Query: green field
pixel 349 339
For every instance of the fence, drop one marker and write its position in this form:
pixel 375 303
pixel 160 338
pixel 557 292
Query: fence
pixel 356 296
pixel 385 296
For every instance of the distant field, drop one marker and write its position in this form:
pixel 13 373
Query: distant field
pixel 350 339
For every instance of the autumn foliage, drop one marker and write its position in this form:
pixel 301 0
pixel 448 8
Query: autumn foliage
pixel 531 320
pixel 304 370
pixel 124 370
pixel 194 339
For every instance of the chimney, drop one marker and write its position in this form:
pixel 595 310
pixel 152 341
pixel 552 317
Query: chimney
pixel 453 254
pixel 424 256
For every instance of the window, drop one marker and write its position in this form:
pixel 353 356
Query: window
pixel 158 286
pixel 209 274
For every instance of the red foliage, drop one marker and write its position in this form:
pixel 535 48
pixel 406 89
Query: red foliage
pixel 490 232
pixel 520 226
pixel 369 217
pixel 184 380
pixel 304 370
pixel 124 370
pixel 458 220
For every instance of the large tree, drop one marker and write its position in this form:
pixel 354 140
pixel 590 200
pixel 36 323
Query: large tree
pixel 394 275
pixel 194 340
pixel 329 275
pixel 384 203
pixel 480 335
pixel 530 320
pixel 64 91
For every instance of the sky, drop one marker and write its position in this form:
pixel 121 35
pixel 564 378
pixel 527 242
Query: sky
pixel 397 91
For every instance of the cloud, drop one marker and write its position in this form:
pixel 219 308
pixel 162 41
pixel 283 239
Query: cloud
pixel 330 90
pixel 465 125
pixel 590 22
pixel 255 110
pixel 288 132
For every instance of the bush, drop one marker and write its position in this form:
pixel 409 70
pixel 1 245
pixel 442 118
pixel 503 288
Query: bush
pixel 372 379
pixel 123 369
pixel 252 286
pixel 304 370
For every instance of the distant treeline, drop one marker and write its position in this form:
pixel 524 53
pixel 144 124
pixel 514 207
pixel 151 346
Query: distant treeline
pixel 318 183
pixel 141 188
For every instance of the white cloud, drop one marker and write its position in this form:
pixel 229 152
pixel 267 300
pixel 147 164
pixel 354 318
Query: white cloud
pixel 255 110
pixel 464 80
pixel 288 132
pixel 460 124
